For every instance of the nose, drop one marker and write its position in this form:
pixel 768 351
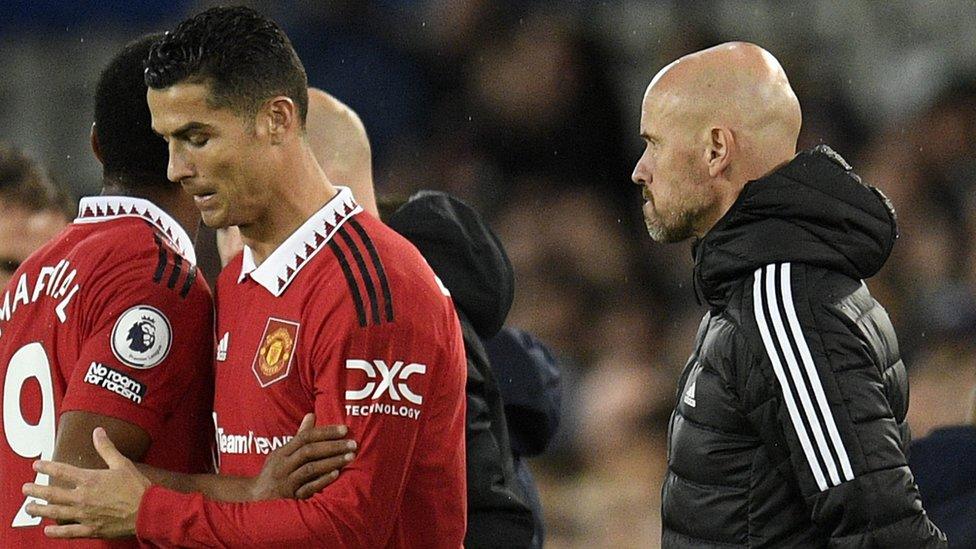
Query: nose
pixel 638 175
pixel 178 168
pixel 642 172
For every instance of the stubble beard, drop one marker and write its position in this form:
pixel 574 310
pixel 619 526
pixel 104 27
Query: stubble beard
pixel 671 226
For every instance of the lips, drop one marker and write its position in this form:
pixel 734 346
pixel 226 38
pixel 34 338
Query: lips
pixel 203 200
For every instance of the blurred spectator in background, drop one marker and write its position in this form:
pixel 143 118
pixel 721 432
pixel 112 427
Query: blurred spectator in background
pixel 543 108
pixel 33 209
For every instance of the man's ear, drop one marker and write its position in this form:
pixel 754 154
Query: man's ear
pixel 719 150
pixel 96 148
pixel 281 117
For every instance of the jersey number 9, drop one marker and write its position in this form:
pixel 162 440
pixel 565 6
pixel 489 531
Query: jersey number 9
pixel 29 440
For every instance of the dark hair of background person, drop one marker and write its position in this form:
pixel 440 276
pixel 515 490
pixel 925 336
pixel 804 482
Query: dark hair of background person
pixel 24 183
pixel 243 56
pixel 132 154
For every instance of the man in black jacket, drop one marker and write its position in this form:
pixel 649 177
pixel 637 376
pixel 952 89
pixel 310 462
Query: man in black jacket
pixel 789 427
pixel 470 261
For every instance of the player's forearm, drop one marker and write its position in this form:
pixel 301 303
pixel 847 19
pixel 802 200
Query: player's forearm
pixel 215 487
pixel 169 519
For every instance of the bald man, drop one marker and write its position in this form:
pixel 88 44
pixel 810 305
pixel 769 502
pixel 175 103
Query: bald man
pixel 338 139
pixel 789 429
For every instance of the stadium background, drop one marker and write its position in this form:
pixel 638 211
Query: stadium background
pixel 529 110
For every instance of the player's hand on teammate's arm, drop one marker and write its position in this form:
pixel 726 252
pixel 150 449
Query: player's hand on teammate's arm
pixel 307 463
pixel 100 503
pixel 104 503
pixel 297 469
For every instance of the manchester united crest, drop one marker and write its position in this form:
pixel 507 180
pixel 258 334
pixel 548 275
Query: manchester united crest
pixel 273 359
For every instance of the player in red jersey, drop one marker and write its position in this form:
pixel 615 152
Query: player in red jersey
pixel 102 327
pixel 325 310
pixel 109 325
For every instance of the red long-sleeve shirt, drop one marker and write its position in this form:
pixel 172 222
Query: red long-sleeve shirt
pixel 109 318
pixel 347 320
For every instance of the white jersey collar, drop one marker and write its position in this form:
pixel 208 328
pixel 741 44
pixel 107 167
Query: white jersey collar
pixel 94 209
pixel 281 267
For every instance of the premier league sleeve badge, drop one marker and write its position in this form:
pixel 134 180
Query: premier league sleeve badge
pixel 142 337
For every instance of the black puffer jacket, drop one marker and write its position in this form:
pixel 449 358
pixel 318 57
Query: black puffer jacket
pixel 468 258
pixel 789 428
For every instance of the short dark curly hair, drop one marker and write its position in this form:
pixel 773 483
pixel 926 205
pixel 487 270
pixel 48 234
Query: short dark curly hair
pixel 243 56
pixel 131 152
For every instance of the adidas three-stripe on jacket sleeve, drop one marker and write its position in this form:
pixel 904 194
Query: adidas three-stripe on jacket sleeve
pixel 109 318
pixel 789 427
pixel 344 319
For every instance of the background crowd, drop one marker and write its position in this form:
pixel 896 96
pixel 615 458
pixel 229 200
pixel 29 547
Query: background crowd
pixel 529 111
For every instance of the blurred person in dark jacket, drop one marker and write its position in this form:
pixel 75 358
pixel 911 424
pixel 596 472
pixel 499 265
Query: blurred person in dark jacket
pixel 944 460
pixel 529 382
pixel 470 261
pixel 944 464
pixel 789 425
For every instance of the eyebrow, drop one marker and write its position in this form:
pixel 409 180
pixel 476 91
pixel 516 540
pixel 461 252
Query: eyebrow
pixel 186 129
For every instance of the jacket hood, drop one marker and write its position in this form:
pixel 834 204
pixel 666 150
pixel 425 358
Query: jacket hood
pixel 464 253
pixel 814 210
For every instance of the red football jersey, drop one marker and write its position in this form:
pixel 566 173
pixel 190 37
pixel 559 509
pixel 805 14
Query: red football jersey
pixel 347 320
pixel 109 318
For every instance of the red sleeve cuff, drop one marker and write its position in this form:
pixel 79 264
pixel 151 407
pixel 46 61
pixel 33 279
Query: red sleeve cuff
pixel 159 521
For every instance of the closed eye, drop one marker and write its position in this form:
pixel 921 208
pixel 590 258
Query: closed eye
pixel 8 265
pixel 198 141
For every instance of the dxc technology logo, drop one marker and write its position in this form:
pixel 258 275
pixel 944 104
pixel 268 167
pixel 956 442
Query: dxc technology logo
pixel 385 379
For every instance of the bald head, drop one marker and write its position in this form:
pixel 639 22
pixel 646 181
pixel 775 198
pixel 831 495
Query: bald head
pixel 338 140
pixel 739 86
pixel 712 120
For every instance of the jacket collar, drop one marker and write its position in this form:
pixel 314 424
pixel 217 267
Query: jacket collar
pixel 95 209
pixel 813 210
pixel 281 267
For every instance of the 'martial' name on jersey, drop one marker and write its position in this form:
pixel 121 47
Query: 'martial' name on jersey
pixel 57 282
